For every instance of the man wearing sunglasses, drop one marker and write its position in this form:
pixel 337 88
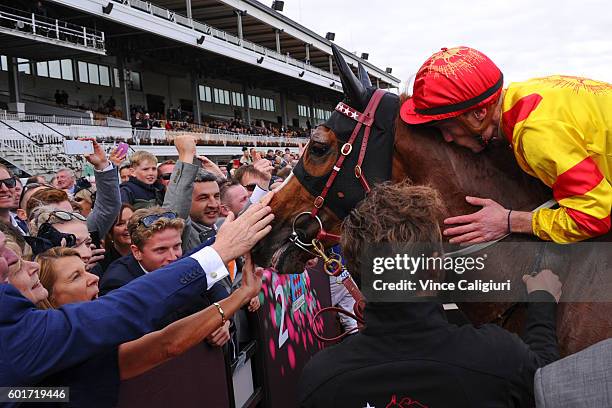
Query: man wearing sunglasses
pixel 164 171
pixel 8 184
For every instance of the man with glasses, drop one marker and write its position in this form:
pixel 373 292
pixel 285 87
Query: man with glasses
pixel 164 171
pixel 8 184
pixel 156 242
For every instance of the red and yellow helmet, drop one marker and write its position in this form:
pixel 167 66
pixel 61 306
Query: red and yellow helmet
pixel 451 82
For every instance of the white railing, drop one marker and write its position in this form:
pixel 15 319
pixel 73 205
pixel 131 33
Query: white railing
pixel 51 28
pixel 224 36
pixel 57 119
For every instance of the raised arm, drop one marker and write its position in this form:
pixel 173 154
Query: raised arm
pixel 108 200
pixel 180 188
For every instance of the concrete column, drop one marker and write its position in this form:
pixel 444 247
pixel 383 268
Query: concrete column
pixel 197 113
pixel 13 78
pixel 278 47
pixel 331 64
pixel 15 103
pixel 377 83
pixel 188 7
pixel 283 107
pixel 247 108
pixel 308 53
pixel 124 87
pixel 239 21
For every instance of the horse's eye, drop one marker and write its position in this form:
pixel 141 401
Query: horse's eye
pixel 319 149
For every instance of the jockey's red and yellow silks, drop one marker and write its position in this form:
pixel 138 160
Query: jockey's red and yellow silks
pixel 560 129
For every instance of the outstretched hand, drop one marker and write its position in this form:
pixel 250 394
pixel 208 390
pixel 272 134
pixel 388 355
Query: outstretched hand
pixel 237 236
pixel 487 224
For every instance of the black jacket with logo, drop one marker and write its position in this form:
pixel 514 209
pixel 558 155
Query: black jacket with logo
pixel 410 356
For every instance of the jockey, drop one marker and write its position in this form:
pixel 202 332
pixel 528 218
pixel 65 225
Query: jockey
pixel 559 128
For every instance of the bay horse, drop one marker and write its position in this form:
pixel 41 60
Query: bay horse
pixel 420 155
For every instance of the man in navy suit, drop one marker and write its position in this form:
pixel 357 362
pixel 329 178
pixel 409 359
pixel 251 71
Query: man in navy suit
pixel 36 343
pixel 156 242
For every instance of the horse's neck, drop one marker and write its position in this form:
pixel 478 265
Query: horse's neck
pixel 423 157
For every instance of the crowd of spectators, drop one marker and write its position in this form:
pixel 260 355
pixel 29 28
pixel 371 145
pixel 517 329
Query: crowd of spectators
pixel 81 304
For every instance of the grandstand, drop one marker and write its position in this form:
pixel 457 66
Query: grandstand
pixel 232 72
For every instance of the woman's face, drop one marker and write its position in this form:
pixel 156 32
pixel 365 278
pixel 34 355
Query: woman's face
pixel 121 236
pixel 79 229
pixel 24 276
pixel 85 207
pixel 73 283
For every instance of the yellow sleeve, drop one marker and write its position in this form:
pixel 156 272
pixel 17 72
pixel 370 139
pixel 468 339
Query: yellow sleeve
pixel 556 153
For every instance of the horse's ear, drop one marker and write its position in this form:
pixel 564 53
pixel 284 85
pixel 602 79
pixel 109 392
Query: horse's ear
pixel 354 90
pixel 364 78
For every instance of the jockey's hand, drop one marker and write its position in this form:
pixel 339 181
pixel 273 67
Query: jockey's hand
pixel 488 224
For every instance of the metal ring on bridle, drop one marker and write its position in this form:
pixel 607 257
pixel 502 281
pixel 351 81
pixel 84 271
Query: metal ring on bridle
pixel 294 235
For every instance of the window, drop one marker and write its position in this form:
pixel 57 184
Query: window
pixel 67 70
pixel 135 83
pixel 254 102
pixel 238 99
pixel 116 78
pixel 54 69
pixel 268 104
pixel 221 96
pixel 42 69
pixel 205 93
pixel 304 111
pixel 23 65
pixel 58 69
pixel 3 63
pixel 97 74
pixel 104 75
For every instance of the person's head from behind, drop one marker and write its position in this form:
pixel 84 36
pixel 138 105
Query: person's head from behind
pixel 234 197
pixel 63 275
pixel 36 179
pixel 7 188
pixel 55 224
pixel 125 171
pixel 47 196
pixel 398 217
pixel 164 171
pixel 458 91
pixel 144 166
pixel 64 178
pixel 119 236
pixel 205 199
pixel 156 237
pixel 22 274
pixel 85 198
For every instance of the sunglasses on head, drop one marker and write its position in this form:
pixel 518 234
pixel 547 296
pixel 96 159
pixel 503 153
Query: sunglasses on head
pixel 9 182
pixel 165 176
pixel 150 219
pixel 66 216
pixel 250 187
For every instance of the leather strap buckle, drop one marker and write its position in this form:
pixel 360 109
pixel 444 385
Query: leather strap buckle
pixel 346 149
pixel 318 202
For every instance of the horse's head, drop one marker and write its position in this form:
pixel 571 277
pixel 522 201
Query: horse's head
pixel 303 191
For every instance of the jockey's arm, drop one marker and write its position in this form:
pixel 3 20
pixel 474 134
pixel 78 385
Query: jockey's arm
pixel 556 154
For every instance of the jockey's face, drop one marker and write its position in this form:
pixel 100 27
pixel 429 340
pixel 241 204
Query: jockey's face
pixel 453 131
